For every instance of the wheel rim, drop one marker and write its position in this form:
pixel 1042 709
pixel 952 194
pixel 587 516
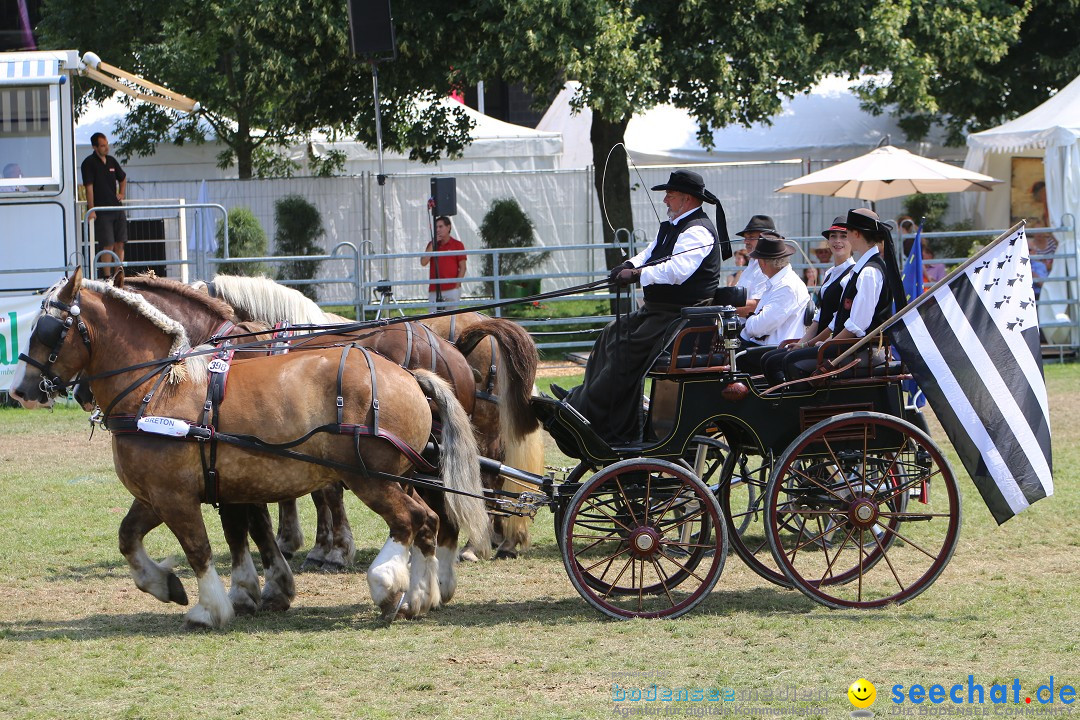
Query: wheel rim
pixel 741 494
pixel 878 510
pixel 644 538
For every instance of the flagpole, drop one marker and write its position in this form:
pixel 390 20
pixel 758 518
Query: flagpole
pixel 918 301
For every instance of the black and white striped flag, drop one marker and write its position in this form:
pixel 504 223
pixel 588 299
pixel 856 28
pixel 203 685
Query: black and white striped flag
pixel 973 346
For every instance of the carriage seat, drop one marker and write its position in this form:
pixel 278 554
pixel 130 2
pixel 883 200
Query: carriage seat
pixel 695 343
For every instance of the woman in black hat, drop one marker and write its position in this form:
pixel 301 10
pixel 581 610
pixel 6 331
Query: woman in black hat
pixel 836 243
pixel 680 268
pixel 867 298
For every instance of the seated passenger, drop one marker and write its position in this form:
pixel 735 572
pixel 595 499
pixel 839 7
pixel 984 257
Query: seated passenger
pixel 751 278
pixel 838 248
pixel 680 268
pixel 779 313
pixel 867 298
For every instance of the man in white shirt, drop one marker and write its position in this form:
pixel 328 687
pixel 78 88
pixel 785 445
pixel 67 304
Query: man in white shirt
pixel 752 278
pixel 678 269
pixel 779 313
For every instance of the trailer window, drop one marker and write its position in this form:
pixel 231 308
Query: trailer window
pixel 29 139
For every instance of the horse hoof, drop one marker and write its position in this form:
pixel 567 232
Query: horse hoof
pixel 392 607
pixel 310 565
pixel 192 626
pixel 177 594
pixel 506 555
pixel 468 555
pixel 244 607
pixel 274 603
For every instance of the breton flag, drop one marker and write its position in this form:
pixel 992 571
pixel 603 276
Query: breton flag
pixel 972 343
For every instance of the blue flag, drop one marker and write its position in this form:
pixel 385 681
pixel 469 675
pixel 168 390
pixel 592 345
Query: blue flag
pixel 913 288
pixel 913 270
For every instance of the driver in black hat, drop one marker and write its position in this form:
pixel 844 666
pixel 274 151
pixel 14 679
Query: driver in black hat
pixel 680 268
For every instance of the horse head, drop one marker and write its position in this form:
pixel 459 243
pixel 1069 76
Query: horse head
pixel 55 354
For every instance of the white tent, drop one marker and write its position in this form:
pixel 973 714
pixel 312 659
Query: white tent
pixel 1050 131
pixel 496 146
pixel 824 124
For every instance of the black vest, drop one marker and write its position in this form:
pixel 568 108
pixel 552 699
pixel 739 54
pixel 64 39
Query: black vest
pixel 883 308
pixel 702 284
pixel 829 301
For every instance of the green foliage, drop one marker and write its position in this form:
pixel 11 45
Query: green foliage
pixel 266 72
pixel 299 227
pixel 932 207
pixel 994 60
pixel 246 239
pixel 507 226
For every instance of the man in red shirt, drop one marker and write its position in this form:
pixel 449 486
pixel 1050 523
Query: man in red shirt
pixel 446 269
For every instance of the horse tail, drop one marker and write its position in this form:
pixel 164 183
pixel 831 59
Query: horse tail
pixel 526 453
pixel 516 376
pixel 459 465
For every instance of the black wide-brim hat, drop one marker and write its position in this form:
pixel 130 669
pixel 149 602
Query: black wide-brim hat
pixel 865 221
pixel 771 246
pixel 689 182
pixel 758 223
pixel 838 223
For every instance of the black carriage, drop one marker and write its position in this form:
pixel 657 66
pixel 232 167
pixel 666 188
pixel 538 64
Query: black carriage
pixel 831 486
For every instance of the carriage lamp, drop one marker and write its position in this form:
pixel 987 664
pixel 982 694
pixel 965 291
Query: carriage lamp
pixel 729 328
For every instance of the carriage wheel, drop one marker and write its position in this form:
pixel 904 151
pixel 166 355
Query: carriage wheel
pixel 877 526
pixel 559 508
pixel 741 494
pixel 644 538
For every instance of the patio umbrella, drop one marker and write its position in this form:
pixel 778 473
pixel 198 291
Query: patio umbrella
pixel 888 172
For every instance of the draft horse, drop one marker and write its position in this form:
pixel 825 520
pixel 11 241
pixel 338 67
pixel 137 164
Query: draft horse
pixel 502 358
pixel 139 365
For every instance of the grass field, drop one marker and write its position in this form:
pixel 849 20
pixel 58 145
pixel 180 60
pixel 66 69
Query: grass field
pixel 78 640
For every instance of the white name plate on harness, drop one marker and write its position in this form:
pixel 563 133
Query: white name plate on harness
pixel 163 426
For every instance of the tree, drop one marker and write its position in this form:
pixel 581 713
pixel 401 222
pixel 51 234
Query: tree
pixel 267 73
pixel 246 239
pixel 981 86
pixel 725 62
pixel 506 225
pixel 299 227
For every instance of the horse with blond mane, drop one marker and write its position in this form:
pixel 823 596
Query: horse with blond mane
pixel 139 365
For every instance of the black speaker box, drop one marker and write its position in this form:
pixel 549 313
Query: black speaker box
pixel 371 28
pixel 444 193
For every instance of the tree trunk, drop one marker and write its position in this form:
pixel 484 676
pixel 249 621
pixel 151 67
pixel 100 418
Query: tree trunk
pixel 612 186
pixel 244 151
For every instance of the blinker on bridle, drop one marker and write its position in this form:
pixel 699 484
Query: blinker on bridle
pixel 51 332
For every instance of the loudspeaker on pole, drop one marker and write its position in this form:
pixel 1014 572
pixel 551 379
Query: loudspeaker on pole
pixel 444 195
pixel 371 29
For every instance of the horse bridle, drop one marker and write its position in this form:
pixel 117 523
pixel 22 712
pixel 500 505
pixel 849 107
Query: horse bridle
pixel 51 332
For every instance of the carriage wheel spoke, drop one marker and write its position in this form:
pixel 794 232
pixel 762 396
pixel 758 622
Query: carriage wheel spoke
pixel 607 559
pixel 682 567
pixel 885 556
pixel 629 507
pixel 610 517
pixel 615 582
pixel 675 496
pixel 663 580
pixel 909 542
pixel 839 470
pixel 814 481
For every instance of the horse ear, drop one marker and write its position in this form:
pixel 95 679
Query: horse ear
pixel 72 286
pixel 118 278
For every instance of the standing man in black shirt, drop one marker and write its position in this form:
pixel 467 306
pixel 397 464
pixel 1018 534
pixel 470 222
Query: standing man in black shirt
pixel 106 185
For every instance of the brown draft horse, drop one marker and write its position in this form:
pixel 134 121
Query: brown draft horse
pixel 519 445
pixel 273 398
pixel 503 422
pixel 203 316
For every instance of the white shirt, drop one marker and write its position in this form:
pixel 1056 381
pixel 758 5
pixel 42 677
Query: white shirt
pixel 833 275
pixel 691 247
pixel 779 314
pixel 867 291
pixel 753 280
